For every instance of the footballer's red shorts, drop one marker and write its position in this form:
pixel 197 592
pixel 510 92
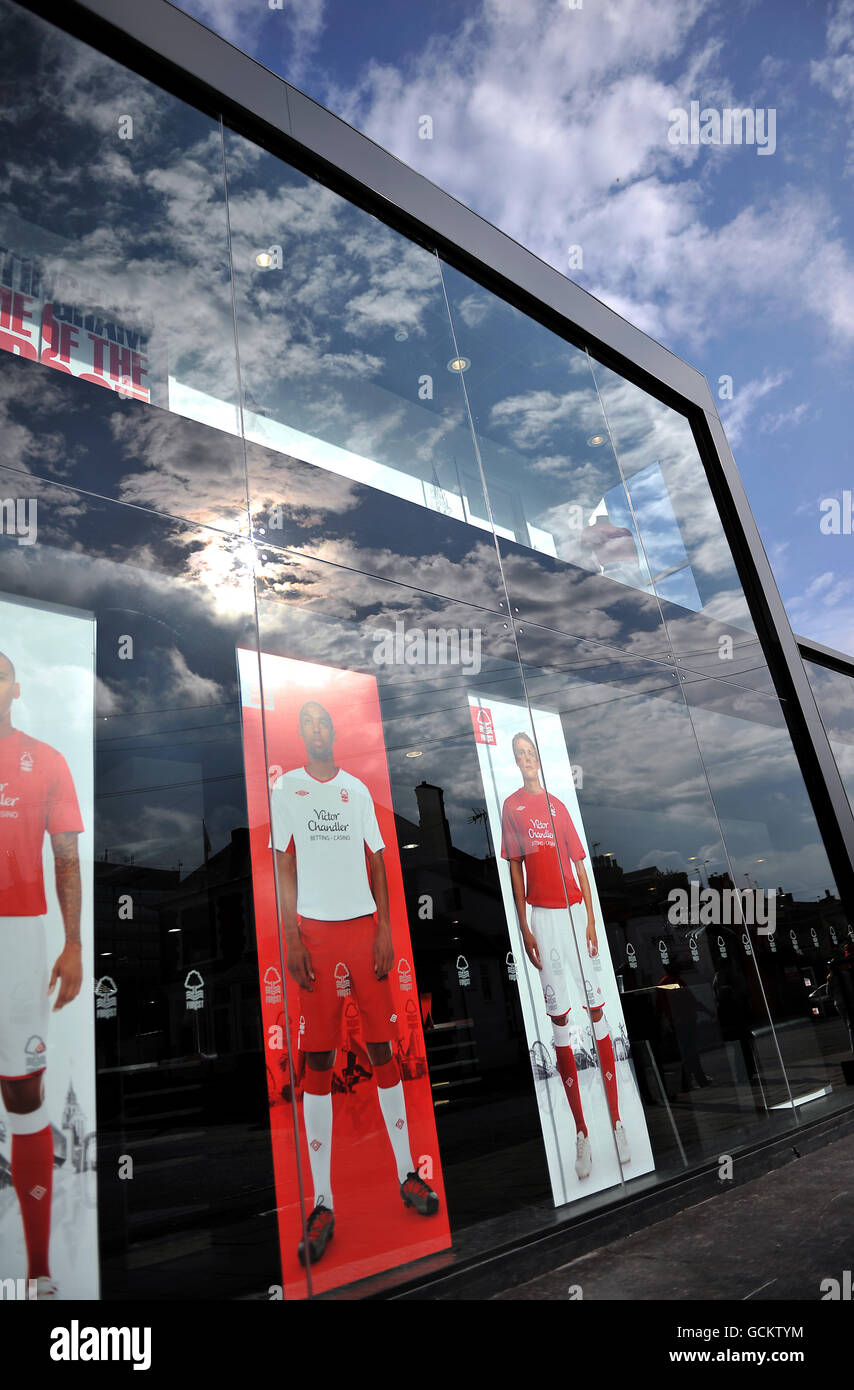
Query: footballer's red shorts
pixel 342 958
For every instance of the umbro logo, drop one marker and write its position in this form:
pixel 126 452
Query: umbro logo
pixel 398 1124
pixel 301 791
pixel 37 1192
pixel 316 1144
pixel 520 808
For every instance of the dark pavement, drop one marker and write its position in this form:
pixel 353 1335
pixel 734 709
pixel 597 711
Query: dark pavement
pixel 775 1237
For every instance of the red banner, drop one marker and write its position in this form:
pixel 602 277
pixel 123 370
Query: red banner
pixel 375 1227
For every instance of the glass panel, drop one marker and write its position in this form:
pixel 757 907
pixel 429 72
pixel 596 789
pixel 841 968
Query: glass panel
pixel 683 541
pixel 442 729
pixel 114 271
pixel 777 858
pixel 696 1026
pixel 404 744
pixel 344 362
pixel 567 537
pixel 834 695
pixel 182 1100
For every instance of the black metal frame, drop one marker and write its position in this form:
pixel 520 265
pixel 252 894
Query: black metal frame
pixel 826 656
pixel 173 50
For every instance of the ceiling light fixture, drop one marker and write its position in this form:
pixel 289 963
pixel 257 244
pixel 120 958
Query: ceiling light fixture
pixel 459 364
pixel 595 440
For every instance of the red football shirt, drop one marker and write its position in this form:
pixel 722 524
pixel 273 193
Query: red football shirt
pixel 36 796
pixel 526 833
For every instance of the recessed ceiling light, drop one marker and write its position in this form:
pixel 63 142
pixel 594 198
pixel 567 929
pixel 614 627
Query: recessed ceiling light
pixel 459 364
pixel 264 259
pixel 416 753
pixel 595 440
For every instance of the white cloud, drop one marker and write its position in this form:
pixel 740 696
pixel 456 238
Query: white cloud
pixel 824 610
pixel 242 21
pixel 786 419
pixel 735 414
pixel 553 124
pixel 835 72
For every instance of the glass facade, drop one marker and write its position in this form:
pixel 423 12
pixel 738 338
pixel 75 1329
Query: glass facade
pixel 834 695
pixel 441 840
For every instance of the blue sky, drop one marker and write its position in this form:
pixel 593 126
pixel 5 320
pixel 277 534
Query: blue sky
pixel 552 123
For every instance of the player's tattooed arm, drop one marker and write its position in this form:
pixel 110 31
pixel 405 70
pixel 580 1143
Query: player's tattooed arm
pixel 383 948
pixel 529 941
pixel 584 885
pixel 68 890
pixel 68 967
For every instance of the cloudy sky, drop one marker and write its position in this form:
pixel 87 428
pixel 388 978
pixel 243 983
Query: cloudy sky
pixel 553 122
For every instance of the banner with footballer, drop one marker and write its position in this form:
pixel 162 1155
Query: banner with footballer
pixel 591 1115
pixel 346 1061
pixel 48 1193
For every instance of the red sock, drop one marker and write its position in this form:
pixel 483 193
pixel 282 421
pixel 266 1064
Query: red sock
pixel 32 1178
pixel 609 1072
pixel 569 1076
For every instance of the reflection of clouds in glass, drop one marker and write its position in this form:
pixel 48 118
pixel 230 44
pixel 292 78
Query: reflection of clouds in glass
pixel 366 434
pixel 532 418
pixel 473 308
pixel 20 446
pixel 834 694
pixel 566 599
pixel 670 859
pixel 333 579
pixel 131 229
pixel 188 471
pixel 306 497
pixel 185 684
pixel 647 432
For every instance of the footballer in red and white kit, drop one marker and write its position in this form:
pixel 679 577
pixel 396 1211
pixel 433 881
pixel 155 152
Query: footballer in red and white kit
pixel 333 895
pixel 37 797
pixel 539 840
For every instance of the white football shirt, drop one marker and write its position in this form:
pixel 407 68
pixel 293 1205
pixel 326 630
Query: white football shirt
pixel 327 826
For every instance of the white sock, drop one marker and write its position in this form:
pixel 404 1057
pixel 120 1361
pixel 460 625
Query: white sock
pixel 32 1123
pixel 393 1107
pixel 317 1114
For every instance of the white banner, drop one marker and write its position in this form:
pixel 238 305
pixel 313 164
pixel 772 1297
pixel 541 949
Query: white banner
pixel 47 677
pixel 575 981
